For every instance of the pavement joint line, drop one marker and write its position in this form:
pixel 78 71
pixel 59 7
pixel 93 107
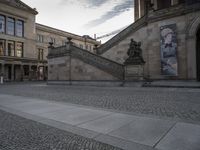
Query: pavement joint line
pixel 51 111
pixel 164 135
pixel 94 119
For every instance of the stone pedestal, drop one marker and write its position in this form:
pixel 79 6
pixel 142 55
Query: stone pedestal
pixel 134 72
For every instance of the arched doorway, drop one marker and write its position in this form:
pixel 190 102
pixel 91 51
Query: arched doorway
pixel 198 53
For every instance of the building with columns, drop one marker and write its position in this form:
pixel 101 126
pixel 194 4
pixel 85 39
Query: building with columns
pixel 24 43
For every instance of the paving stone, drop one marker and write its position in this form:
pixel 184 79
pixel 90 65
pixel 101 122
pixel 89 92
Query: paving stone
pixel 172 103
pixel 145 131
pixel 183 136
pixel 17 133
pixel 108 123
pixel 75 116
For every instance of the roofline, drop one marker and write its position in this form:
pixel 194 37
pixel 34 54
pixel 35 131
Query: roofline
pixel 38 25
pixel 32 9
pixel 29 9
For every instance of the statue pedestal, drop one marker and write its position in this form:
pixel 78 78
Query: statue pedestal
pixel 134 72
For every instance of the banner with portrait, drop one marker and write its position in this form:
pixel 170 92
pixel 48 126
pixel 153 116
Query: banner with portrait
pixel 168 50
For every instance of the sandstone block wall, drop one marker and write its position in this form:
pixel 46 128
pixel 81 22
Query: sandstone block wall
pixel 66 68
pixel 150 38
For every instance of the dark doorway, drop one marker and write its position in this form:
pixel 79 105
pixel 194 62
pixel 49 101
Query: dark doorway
pixel 164 4
pixel 9 72
pixel 198 54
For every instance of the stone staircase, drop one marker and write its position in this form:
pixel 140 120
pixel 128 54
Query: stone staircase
pixel 122 35
pixel 109 66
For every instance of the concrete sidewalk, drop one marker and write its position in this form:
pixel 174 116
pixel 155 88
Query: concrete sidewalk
pixel 129 132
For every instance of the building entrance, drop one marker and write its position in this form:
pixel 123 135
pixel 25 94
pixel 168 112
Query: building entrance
pixel 198 54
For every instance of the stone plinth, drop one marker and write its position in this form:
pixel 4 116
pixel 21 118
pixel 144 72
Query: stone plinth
pixel 134 72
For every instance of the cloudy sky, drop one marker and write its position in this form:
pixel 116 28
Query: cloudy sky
pixel 84 17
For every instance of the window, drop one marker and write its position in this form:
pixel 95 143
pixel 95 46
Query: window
pixel 20 28
pixel 40 38
pixel 19 49
pixel 11 49
pixel 2 24
pixel 40 54
pixel 2 47
pixel 10 26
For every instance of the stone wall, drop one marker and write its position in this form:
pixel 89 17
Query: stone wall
pixel 150 38
pixel 66 68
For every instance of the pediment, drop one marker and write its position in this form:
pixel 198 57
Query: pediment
pixel 19 4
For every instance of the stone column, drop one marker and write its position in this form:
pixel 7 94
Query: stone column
pixel 12 72
pixel 22 72
pixel 136 7
pixel 142 8
pixel 155 4
pixel 2 69
pixel 30 73
pixel 6 48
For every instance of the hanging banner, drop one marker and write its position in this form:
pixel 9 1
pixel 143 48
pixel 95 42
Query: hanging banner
pixel 168 50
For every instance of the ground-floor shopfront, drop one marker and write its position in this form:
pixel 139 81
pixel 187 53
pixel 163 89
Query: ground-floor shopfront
pixel 14 69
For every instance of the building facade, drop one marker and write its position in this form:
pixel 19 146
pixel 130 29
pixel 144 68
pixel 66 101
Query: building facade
pixel 169 34
pixel 24 43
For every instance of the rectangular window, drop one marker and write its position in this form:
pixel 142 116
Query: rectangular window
pixel 40 54
pixel 2 47
pixel 19 49
pixel 2 24
pixel 40 38
pixel 10 26
pixel 11 48
pixel 20 28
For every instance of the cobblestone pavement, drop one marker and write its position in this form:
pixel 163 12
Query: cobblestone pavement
pixel 175 103
pixel 17 133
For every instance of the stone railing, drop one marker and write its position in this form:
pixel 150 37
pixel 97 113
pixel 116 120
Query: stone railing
pixel 123 34
pixel 111 67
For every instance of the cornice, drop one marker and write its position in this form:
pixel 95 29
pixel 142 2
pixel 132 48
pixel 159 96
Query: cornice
pixel 20 5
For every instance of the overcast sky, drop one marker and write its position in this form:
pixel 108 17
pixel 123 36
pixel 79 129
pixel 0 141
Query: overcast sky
pixel 84 17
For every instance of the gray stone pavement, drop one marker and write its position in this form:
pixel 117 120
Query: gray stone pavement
pixel 17 133
pixel 173 103
pixel 129 132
